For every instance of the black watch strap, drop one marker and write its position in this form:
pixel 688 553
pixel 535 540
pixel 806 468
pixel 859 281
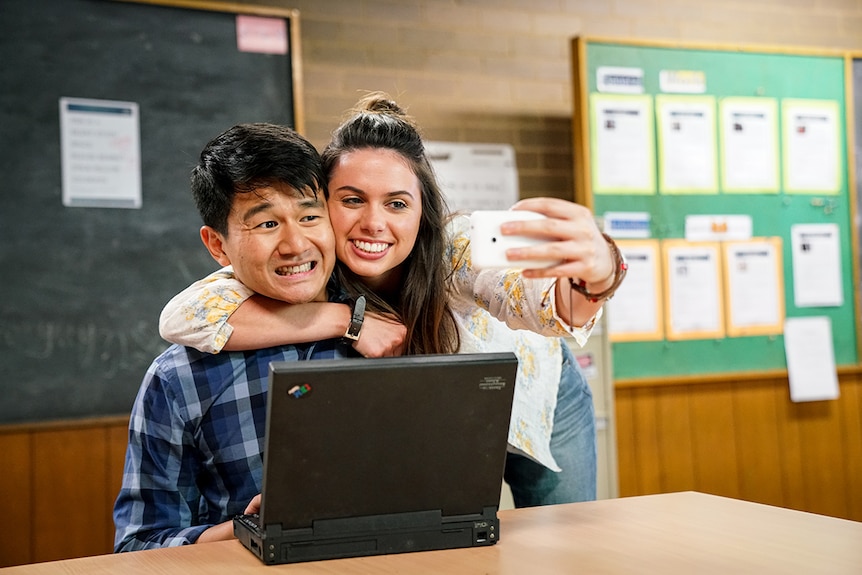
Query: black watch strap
pixel 356 319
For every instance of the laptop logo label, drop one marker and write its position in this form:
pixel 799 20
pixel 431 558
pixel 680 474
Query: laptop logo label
pixel 298 391
pixel 492 383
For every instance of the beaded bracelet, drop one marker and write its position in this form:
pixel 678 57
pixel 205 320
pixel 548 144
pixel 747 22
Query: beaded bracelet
pixel 620 269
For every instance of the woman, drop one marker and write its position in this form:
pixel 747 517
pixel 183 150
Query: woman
pixel 391 228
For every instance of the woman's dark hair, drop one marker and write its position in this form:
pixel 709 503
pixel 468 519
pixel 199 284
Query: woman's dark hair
pixel 423 307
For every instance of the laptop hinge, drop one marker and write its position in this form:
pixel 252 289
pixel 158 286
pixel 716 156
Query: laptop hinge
pixel 410 520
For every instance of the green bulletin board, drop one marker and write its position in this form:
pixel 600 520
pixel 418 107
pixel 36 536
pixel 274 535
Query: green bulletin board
pixel 740 73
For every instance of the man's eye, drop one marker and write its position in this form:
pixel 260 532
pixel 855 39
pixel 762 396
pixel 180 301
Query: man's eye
pixel 267 225
pixel 310 218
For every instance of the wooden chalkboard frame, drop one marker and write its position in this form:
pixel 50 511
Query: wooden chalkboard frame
pixel 83 286
pixel 291 15
pixel 638 363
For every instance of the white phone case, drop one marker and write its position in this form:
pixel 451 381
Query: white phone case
pixel 488 246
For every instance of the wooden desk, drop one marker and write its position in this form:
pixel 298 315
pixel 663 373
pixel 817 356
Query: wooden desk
pixel 673 533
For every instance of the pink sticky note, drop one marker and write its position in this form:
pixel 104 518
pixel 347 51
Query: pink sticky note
pixel 261 35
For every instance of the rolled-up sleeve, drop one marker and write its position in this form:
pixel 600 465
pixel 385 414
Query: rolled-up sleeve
pixel 519 302
pixel 198 316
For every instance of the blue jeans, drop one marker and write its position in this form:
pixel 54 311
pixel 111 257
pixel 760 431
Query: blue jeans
pixel 573 445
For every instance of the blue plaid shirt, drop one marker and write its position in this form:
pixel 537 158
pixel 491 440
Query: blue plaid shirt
pixel 196 433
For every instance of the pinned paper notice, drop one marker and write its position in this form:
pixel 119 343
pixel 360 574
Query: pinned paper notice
pixel 627 224
pixel 682 81
pixel 260 34
pixel 810 358
pixel 817 279
pixel 101 153
pixel 587 362
pixel 714 228
pixel 475 176
pixel 617 80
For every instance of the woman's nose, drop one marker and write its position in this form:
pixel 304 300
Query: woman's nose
pixel 373 220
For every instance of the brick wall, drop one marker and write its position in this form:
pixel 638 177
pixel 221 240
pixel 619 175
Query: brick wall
pixel 500 70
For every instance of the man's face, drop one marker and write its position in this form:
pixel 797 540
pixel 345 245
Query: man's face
pixel 280 244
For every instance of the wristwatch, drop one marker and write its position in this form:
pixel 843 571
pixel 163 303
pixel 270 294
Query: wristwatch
pixel 356 319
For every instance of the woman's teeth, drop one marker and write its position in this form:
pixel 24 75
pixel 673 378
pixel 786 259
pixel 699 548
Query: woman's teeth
pixel 371 247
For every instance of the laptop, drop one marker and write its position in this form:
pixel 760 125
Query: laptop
pixel 375 456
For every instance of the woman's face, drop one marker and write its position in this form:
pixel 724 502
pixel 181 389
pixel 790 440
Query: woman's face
pixel 375 206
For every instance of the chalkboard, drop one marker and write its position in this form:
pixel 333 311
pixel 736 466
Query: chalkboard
pixel 82 288
pixel 728 72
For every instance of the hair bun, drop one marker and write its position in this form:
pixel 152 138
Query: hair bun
pixel 379 103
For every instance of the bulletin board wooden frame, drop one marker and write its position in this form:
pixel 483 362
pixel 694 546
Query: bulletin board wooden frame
pixel 730 71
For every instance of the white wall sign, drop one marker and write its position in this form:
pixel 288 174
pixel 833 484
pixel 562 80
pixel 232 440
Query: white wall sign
pixel 475 176
pixel 101 153
pixel 617 80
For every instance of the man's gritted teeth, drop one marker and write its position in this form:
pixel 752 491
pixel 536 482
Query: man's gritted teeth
pixel 371 247
pixel 299 269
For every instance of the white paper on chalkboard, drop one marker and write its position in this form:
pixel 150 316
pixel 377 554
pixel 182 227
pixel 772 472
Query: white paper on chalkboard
pixel 101 153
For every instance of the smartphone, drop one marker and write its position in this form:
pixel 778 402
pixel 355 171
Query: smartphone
pixel 488 246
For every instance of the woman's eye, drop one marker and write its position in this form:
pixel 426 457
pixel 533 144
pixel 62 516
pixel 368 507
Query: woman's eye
pixel 352 201
pixel 398 205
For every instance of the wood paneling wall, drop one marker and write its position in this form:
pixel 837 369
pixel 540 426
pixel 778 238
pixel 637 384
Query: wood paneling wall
pixel 745 439
pixel 739 438
pixel 58 483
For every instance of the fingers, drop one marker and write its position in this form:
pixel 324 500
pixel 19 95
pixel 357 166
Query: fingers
pixel 572 238
pixel 554 208
pixel 253 505
pixel 381 337
pixel 580 263
pixel 564 220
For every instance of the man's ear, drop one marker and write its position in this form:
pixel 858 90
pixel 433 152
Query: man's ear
pixel 215 245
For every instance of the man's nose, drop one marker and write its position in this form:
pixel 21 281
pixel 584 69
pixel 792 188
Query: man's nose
pixel 292 241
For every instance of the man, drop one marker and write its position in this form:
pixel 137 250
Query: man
pixel 194 458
